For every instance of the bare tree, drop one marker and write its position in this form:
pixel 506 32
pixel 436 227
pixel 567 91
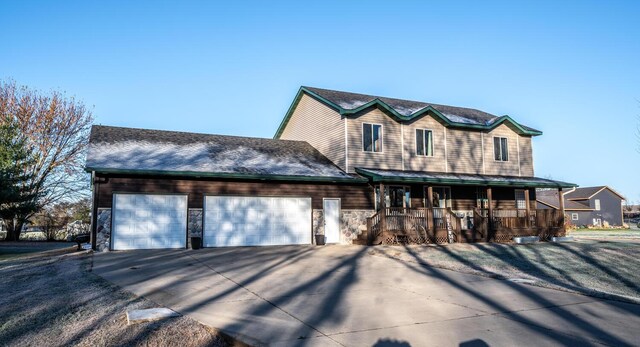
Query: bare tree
pixel 56 129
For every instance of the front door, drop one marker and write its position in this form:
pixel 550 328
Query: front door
pixel 331 208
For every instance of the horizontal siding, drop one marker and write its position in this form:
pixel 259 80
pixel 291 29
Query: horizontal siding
pixel 391 156
pixel 353 196
pixel 493 167
pixel 464 151
pixel 320 126
pixel 526 156
pixel 415 162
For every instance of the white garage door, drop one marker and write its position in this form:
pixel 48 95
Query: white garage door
pixel 256 221
pixel 142 221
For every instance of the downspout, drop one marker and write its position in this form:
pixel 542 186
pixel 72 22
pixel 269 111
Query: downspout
pixel 402 144
pixel 95 186
pixel 346 146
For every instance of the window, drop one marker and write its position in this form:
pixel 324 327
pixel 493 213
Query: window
pixel 481 198
pixel 500 150
pixel 597 203
pixel 521 203
pixel 441 196
pixel 574 216
pixel 395 196
pixel 424 142
pixel 372 137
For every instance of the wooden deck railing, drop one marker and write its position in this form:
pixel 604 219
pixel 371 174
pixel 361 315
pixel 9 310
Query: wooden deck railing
pixel 425 225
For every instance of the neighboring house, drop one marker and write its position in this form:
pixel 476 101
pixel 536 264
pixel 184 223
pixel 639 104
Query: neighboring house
pixel 587 205
pixel 442 170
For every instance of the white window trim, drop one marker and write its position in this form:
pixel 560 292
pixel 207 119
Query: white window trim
pixel 494 149
pixel 362 137
pixel 596 204
pixel 575 216
pixel 415 142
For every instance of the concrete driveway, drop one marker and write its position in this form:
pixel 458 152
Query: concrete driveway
pixel 343 296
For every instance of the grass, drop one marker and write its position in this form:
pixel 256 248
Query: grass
pixel 54 300
pixel 595 267
pixel 9 250
pixel 609 234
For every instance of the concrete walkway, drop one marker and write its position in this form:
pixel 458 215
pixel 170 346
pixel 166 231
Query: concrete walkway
pixel 343 296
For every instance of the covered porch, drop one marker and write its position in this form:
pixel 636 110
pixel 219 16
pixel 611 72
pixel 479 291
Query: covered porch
pixel 426 207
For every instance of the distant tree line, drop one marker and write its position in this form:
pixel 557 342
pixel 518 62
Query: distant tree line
pixel 43 139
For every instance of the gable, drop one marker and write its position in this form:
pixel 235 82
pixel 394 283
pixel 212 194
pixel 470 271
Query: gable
pixel 348 104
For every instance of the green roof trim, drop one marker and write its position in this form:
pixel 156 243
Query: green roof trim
pixel 376 178
pixel 230 175
pixel 379 103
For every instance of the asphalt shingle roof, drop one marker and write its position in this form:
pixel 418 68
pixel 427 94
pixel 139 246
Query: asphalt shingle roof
pixel 350 101
pixel 550 198
pixel 116 149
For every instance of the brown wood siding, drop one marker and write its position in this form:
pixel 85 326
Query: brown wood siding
pixel 526 156
pixel 415 162
pixel 391 156
pixel 464 151
pixel 494 167
pixel 359 196
pixel 319 125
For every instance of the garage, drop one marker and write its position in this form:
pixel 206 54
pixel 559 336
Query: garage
pixel 256 221
pixel 149 221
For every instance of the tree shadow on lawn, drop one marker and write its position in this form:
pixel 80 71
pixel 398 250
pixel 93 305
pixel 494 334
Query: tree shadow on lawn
pixel 342 273
pixel 569 319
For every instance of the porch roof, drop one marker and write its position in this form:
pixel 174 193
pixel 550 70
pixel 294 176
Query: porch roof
pixel 391 176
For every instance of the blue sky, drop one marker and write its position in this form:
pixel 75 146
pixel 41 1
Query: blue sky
pixel 570 69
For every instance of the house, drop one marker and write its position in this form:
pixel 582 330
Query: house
pixel 587 205
pixel 352 167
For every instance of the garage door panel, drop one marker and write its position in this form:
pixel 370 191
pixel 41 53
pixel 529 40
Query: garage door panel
pixel 256 221
pixel 146 221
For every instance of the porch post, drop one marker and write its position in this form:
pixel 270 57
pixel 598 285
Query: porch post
pixel 429 204
pixel 383 208
pixel 429 197
pixel 526 199
pixel 491 231
pixel 561 204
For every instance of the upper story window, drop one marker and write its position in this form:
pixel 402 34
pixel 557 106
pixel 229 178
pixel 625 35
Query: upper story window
pixel 424 142
pixel 500 150
pixel 371 137
pixel 597 203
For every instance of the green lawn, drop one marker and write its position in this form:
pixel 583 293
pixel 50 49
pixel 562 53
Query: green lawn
pixel 622 234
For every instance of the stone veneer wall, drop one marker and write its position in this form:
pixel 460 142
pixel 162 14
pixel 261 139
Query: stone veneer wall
pixel 352 223
pixel 103 230
pixel 194 224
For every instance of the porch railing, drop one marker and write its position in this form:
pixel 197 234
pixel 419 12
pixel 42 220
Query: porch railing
pixel 429 225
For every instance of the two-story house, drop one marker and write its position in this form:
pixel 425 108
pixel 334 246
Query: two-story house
pixel 351 167
pixel 586 206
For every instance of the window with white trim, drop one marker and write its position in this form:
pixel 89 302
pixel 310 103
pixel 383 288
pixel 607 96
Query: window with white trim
pixel 371 137
pixel 574 216
pixel 597 203
pixel 424 142
pixel 500 149
pixel 521 203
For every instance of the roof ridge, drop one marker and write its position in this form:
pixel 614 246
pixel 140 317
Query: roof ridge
pixel 195 133
pixel 399 99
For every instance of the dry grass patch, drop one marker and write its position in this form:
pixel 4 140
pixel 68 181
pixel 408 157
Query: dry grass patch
pixel 53 300
pixel 600 268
